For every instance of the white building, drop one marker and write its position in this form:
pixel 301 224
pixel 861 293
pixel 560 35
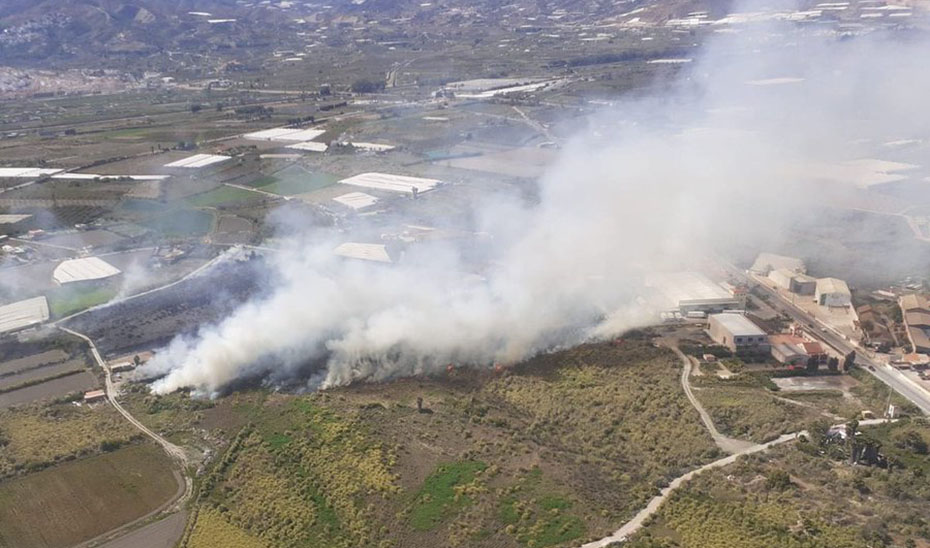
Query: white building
pixel 23 314
pixel 795 282
pixel 686 292
pixel 738 333
pixel 84 270
pixel 832 292
pixel 767 262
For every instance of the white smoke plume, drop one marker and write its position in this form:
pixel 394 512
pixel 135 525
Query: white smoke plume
pixel 725 157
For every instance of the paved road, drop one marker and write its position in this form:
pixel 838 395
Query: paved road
pixel 629 528
pixel 888 375
pixel 729 445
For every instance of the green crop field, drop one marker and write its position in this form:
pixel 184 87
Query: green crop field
pixel 64 301
pixel 221 196
pixel 290 182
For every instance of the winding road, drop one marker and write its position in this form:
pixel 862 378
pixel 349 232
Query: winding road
pixel 726 444
pixel 173 451
pixel 623 534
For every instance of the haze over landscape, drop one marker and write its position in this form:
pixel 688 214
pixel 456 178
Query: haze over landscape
pixel 465 273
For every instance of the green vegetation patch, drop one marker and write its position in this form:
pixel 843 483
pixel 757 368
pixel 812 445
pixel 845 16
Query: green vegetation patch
pixel 300 475
pixel 222 195
pixel 63 301
pixel 181 223
pixel 537 517
pixel 84 498
pixel 37 436
pixel 212 530
pixel 752 414
pixel 801 496
pixel 444 493
pixel 297 181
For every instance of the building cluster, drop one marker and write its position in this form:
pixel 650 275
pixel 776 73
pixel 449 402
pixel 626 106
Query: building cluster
pixel 790 274
pixel 915 310
pixel 746 339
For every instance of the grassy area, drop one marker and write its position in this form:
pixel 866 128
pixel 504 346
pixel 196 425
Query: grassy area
pixel 752 414
pixel 63 301
pixel 181 223
pixel 288 183
pixel 221 196
pixel 551 453
pixel 302 476
pixel 79 500
pixel 876 395
pixel 37 436
pixel 212 530
pixel 444 492
pixel 802 498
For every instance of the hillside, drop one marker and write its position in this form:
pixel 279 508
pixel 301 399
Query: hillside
pixel 561 449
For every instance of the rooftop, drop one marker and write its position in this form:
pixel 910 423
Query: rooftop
pixel 738 325
pixel 10 218
pixel 198 161
pixel 914 301
pixel 368 252
pixel 683 287
pixel 394 183
pixel 832 285
pixel 22 314
pixel 356 200
pixel 284 134
pixel 766 262
pixel 87 268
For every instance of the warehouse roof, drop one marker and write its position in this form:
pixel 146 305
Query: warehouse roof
pixel 917 318
pixel 766 262
pixel 738 325
pixel 10 218
pixel 87 268
pixel 368 252
pixel 23 314
pixel 356 200
pixel 914 302
pixel 681 288
pixel 394 183
pixel 198 161
pixel 26 172
pixel 920 337
pixel 284 134
pixel 310 146
pixel 832 285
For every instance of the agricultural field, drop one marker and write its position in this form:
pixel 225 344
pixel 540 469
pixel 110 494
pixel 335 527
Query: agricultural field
pixel 795 495
pixel 27 376
pixel 291 181
pixel 224 195
pixel 84 498
pixel 64 301
pixel 41 435
pixel 558 450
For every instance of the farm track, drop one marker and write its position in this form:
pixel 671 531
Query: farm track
pixel 629 528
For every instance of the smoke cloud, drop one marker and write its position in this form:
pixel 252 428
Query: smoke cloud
pixel 727 157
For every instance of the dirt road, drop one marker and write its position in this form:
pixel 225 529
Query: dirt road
pixel 728 445
pixel 635 524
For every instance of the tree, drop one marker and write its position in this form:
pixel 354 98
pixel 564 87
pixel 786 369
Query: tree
pixel 778 480
pixel 364 85
pixel 833 363
pixel 818 430
pixel 136 360
pixel 196 107
pixel 812 364
pixel 849 361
